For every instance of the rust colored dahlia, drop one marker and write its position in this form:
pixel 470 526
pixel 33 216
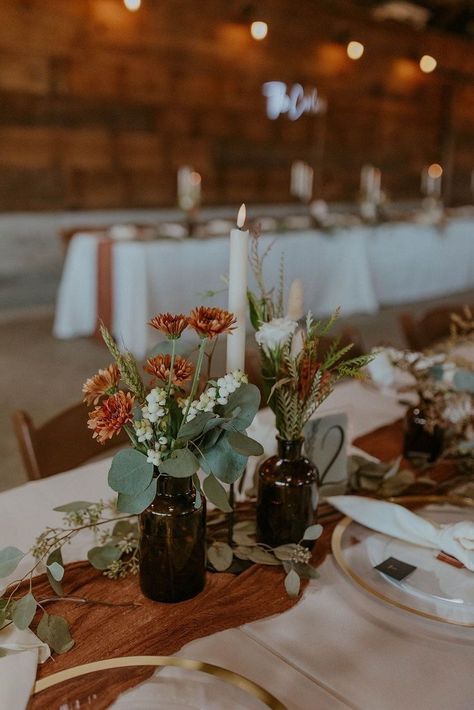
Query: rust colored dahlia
pixel 109 418
pixel 159 366
pixel 102 383
pixel 171 325
pixel 211 322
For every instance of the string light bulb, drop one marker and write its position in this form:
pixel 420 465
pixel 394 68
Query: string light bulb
pixel 428 64
pixel 259 30
pixel 355 50
pixel 132 5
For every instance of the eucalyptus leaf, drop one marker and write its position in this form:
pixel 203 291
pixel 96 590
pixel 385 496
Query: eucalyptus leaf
pixel 74 507
pixel 220 556
pixel 181 464
pixel 242 552
pixel 24 611
pixel 292 583
pixel 54 630
pixel 244 445
pixel 55 558
pixel 242 406
pixel 225 463
pixel 463 381
pixel 305 571
pixel 57 572
pixel 124 527
pixel 398 483
pixel 216 493
pixel 130 472
pixel 194 428
pixel 241 538
pixel 313 532
pixel 262 557
pixel 285 552
pixel 137 504
pixel 246 526
pixel 10 558
pixel 102 557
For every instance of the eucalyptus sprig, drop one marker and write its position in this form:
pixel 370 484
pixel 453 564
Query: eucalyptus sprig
pixel 294 558
pixel 116 556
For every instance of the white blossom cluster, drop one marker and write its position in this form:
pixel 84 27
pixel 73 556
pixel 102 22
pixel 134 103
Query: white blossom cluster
pixel 459 409
pixel 218 394
pixel 419 361
pixel 156 455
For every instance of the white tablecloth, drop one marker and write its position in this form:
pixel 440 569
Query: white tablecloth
pixel 335 649
pixel 357 269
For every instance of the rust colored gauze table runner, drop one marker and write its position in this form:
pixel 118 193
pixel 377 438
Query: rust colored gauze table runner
pixel 228 601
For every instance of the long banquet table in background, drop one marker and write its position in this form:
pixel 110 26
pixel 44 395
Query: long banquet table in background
pixel 335 648
pixel 358 268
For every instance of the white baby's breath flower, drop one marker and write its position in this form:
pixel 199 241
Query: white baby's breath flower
pixel 274 334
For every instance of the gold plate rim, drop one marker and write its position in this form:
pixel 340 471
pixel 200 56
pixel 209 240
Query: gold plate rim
pixel 336 547
pixel 190 664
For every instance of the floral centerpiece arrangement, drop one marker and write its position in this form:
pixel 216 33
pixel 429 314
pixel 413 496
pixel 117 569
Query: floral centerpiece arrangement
pixel 298 374
pixel 178 424
pixel 444 411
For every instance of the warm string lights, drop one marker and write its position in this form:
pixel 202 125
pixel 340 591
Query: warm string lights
pixel 132 5
pixel 259 30
pixel 428 64
pixel 355 50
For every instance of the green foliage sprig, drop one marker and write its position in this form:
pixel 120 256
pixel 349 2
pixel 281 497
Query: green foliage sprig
pixel 299 368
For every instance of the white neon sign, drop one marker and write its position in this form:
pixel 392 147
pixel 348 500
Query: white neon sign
pixel 294 101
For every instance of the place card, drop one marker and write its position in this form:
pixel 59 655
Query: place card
pixel 326 446
pixel 395 568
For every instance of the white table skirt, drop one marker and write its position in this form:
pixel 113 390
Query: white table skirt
pixel 337 648
pixel 357 269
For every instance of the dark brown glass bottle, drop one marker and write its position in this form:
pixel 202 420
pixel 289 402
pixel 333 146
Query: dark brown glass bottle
pixel 287 495
pixel 173 542
pixel 418 442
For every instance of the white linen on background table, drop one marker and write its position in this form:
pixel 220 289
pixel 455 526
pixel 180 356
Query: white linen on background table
pixel 357 268
pixel 175 274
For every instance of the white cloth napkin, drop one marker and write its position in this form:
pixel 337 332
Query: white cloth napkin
pixel 24 651
pixel 456 539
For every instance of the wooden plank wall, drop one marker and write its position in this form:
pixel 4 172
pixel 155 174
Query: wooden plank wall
pixel 99 106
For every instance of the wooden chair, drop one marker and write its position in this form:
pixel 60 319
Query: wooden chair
pixel 59 444
pixel 430 328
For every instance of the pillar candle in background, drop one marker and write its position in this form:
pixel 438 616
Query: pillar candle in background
pixel 296 300
pixel 370 183
pixel 238 259
pixel 189 188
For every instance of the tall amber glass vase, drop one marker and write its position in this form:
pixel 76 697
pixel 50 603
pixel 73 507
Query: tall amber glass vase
pixel 287 495
pixel 173 542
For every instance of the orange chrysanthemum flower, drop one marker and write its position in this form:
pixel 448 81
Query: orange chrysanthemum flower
pixel 104 382
pixel 171 325
pixel 160 367
pixel 109 418
pixel 210 322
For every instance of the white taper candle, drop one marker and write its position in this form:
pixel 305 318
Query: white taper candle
pixel 238 258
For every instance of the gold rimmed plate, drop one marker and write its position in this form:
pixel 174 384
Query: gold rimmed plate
pixel 436 589
pixel 258 696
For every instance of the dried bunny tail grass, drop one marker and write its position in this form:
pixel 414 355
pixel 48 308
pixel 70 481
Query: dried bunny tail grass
pixel 126 364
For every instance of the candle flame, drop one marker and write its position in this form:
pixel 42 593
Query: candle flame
pixel 241 216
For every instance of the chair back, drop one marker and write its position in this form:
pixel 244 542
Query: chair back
pixel 433 326
pixel 61 443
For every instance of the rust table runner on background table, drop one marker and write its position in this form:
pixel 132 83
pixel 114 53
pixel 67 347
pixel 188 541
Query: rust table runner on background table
pixel 228 601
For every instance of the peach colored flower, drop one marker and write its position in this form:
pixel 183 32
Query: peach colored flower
pixel 159 366
pixel 171 325
pixel 109 418
pixel 102 383
pixel 210 322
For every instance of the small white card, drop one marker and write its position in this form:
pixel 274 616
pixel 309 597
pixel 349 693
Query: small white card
pixel 326 446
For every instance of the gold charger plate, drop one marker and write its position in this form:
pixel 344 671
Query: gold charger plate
pixel 239 681
pixel 409 501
